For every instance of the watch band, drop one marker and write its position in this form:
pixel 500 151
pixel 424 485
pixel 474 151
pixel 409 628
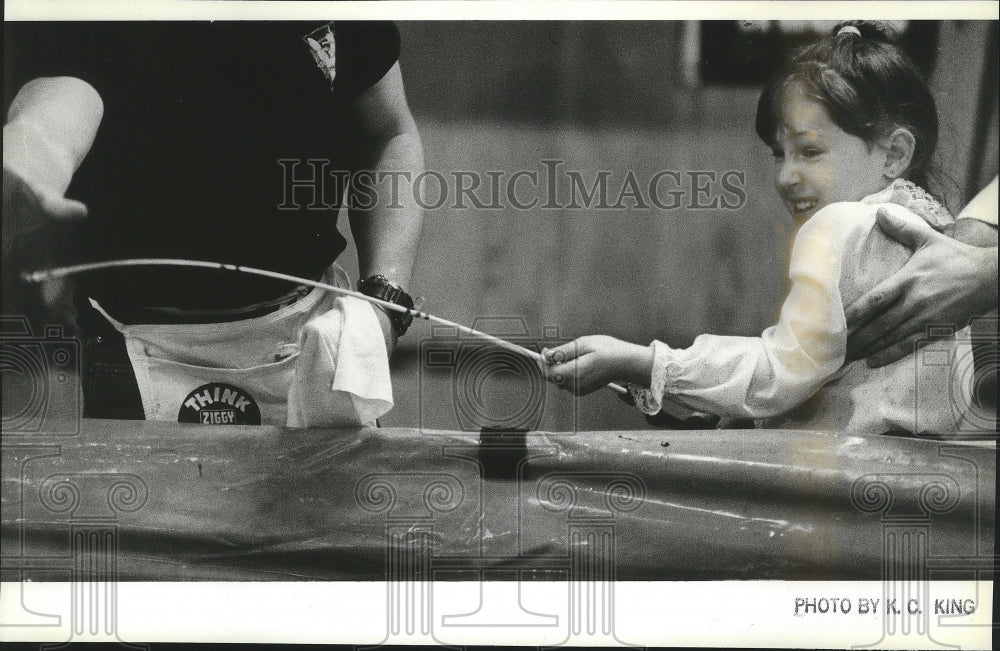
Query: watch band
pixel 380 287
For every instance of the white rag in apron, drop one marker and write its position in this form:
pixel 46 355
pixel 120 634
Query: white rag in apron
pixel 318 362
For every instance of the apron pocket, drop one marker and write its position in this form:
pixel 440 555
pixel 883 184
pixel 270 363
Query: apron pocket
pixel 186 393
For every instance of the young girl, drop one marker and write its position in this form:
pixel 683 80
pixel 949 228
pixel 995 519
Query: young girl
pixel 852 126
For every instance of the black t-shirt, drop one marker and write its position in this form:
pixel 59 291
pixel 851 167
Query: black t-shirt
pixel 204 125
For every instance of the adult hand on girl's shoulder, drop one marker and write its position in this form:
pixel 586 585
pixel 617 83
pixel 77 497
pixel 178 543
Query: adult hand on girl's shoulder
pixel 586 364
pixel 945 282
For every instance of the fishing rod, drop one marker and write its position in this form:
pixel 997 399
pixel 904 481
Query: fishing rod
pixel 61 272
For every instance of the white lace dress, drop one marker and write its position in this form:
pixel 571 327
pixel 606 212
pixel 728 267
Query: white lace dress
pixel 793 376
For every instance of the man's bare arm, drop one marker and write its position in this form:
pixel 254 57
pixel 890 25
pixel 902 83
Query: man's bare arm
pixel 387 233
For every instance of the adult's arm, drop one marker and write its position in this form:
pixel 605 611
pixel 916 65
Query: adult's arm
pixel 948 280
pixel 49 129
pixel 387 233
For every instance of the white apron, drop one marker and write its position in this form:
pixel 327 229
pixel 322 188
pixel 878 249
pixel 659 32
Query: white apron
pixel 241 372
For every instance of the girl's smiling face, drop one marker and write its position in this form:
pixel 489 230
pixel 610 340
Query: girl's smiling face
pixel 817 163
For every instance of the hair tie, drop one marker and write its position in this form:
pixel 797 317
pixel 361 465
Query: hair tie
pixel 849 29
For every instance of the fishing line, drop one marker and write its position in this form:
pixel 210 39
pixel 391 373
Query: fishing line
pixel 61 272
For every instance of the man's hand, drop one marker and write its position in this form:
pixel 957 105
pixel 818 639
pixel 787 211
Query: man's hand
pixel 51 124
pixel 945 282
pixel 588 363
pixel 36 172
pixel 28 205
pixel 50 127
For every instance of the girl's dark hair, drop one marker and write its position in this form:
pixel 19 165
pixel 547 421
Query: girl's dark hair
pixel 868 86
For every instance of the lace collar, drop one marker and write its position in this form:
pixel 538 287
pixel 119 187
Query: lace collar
pixel 915 199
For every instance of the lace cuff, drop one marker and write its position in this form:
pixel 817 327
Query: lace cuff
pixel 915 199
pixel 665 368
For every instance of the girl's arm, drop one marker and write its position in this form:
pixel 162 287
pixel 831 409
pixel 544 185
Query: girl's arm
pixel 740 377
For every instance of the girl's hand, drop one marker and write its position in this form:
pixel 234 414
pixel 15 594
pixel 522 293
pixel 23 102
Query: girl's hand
pixel 588 363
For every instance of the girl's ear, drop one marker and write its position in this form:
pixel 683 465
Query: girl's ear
pixel 900 146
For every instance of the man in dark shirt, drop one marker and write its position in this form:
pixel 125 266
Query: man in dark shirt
pixel 227 142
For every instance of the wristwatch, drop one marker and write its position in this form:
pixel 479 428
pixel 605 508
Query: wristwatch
pixel 380 287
